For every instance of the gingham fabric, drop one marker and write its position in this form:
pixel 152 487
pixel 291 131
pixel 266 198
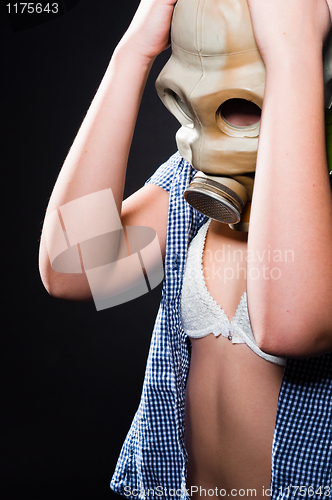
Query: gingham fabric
pixel 152 462
pixel 302 450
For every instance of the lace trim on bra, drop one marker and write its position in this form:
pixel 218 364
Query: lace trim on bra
pixel 201 315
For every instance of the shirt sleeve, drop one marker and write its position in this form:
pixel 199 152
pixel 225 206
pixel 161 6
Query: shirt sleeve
pixel 164 175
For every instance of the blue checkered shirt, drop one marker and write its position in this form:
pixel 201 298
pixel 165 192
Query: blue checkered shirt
pixel 152 462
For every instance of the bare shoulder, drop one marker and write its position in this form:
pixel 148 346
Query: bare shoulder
pixel 148 207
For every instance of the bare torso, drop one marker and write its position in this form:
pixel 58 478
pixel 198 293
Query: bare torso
pixel 232 393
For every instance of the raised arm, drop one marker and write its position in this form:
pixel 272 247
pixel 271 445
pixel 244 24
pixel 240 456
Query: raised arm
pixel 98 157
pixel 291 314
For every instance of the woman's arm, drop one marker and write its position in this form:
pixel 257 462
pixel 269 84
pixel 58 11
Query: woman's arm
pixel 291 218
pixel 98 157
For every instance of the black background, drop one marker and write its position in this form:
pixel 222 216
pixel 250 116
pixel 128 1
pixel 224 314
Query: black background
pixel 71 377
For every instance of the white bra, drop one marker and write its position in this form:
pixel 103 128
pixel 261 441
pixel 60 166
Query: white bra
pixel 202 315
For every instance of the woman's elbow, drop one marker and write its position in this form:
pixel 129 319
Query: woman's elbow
pixel 74 287
pixel 66 286
pixel 292 339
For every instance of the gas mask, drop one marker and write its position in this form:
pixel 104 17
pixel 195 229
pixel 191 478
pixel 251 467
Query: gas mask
pixel 214 85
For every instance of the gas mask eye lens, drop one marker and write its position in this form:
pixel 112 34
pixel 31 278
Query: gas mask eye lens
pixel 239 113
pixel 178 107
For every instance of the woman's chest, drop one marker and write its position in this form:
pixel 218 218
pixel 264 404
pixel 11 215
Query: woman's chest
pixel 225 266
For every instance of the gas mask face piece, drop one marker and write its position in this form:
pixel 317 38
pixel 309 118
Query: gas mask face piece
pixel 214 85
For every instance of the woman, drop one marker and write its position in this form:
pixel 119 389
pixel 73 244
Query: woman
pixel 232 393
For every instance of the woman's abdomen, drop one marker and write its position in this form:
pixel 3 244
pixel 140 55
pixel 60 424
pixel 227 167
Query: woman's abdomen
pixel 231 404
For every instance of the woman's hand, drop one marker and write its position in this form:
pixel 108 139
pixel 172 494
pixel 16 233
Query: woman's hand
pixel 287 28
pixel 148 33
